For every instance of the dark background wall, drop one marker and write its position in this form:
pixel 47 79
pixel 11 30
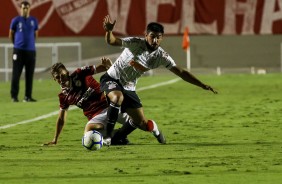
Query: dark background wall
pixel 206 51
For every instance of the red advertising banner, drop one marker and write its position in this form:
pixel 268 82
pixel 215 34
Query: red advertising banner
pixel 213 17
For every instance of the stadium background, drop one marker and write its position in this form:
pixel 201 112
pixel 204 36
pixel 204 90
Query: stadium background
pixel 233 137
pixel 232 34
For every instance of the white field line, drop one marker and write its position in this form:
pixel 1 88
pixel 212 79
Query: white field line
pixel 74 107
pixel 159 84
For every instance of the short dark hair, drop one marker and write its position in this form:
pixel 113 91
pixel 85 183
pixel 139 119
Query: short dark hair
pixel 25 2
pixel 155 27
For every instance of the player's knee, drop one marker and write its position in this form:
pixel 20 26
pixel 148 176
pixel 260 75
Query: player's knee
pixel 116 97
pixel 92 126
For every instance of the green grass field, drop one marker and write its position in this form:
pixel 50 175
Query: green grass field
pixel 233 137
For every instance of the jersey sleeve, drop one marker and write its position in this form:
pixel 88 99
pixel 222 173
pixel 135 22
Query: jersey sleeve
pixel 86 70
pixel 62 104
pixel 164 59
pixel 13 25
pixel 168 62
pixel 130 42
pixel 36 24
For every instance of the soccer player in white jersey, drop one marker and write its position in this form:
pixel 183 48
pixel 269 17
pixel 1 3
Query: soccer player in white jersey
pixel 119 82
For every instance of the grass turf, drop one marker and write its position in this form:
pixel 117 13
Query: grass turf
pixel 232 137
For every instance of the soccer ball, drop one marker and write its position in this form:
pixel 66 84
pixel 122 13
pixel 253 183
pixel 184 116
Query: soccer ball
pixel 92 140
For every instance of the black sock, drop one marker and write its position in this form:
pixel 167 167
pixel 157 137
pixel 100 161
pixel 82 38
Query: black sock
pixel 112 114
pixel 125 130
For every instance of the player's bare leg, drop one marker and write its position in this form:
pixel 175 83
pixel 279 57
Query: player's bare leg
pixel 141 122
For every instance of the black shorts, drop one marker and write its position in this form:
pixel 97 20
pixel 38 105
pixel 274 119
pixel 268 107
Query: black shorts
pixel 131 99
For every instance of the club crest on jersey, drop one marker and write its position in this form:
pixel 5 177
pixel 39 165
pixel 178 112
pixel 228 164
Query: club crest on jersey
pixel 111 84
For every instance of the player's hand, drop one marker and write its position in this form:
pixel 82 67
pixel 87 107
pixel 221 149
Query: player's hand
pixel 207 87
pixel 108 24
pixel 106 62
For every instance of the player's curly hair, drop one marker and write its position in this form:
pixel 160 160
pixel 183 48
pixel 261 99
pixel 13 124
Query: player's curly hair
pixel 55 68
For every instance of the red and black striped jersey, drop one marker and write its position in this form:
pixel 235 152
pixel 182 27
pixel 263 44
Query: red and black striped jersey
pixel 84 92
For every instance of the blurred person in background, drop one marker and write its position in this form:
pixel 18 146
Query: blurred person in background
pixel 23 33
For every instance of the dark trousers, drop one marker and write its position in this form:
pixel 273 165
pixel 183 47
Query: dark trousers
pixel 22 58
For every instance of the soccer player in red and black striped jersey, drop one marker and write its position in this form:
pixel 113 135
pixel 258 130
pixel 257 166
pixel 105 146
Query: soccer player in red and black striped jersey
pixel 82 90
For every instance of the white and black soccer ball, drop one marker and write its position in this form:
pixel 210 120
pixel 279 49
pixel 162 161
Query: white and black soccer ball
pixel 92 140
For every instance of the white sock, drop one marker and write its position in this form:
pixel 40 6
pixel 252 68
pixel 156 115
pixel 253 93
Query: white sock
pixel 155 129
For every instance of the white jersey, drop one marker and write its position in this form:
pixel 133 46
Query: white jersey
pixel 135 60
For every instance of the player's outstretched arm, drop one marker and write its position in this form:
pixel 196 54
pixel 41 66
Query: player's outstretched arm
pixel 110 37
pixel 59 126
pixel 188 77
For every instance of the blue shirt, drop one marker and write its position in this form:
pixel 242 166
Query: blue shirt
pixel 24 29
